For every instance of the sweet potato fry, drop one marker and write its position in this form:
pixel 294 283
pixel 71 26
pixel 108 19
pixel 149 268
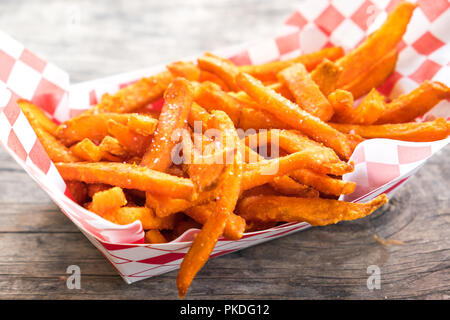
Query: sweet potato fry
pixel 184 69
pixel 146 216
pixel 31 110
pixel 410 131
pixel 93 188
pixel 409 106
pixel 211 77
pixel 367 112
pixel 134 143
pixel 154 236
pixel 288 186
pixel 142 124
pixel 78 190
pixel 317 212
pixel 199 114
pixel 211 97
pixel 326 76
pixel 266 170
pixel 107 200
pixel 306 92
pixel 178 99
pixel 374 76
pixel 87 150
pixel 113 147
pixel 129 177
pixel 269 71
pixel 56 151
pixel 321 158
pixel 136 95
pixel 323 183
pixel 295 117
pixel 234 227
pixel 221 67
pixel 92 126
pixel 213 228
pixel 376 46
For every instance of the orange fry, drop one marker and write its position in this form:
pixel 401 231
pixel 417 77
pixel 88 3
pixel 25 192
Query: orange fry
pixel 374 76
pixel 78 190
pixel 376 46
pixel 213 228
pixel 177 104
pixel 269 71
pixel 33 111
pixel 146 216
pixel 295 117
pixel 134 143
pixel 234 227
pixel 142 124
pixel 288 186
pixel 183 69
pixel 409 106
pixel 136 95
pixel 221 67
pixel 113 147
pixel 317 212
pixel 306 92
pixel 326 75
pixel 104 201
pixel 129 177
pixel 211 77
pixel 87 150
pixel 323 183
pixel 367 112
pixel 211 97
pixel 154 236
pixel 92 126
pixel 410 131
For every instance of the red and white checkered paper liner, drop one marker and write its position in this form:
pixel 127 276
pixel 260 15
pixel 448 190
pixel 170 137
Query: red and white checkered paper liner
pixel 381 165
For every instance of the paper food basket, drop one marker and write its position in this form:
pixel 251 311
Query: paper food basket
pixel 381 165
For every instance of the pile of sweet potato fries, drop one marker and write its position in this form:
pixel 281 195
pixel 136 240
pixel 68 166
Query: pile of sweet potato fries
pixel 203 160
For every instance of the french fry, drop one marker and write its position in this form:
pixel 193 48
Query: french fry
pixel 326 76
pixel 295 117
pixel 211 97
pixel 287 186
pixel 56 151
pixel 199 114
pixel 281 89
pixel 134 143
pixel 221 67
pixel 91 126
pixel 323 183
pixel 269 71
pixel 87 150
pixel 409 106
pixel 93 188
pixel 213 228
pixel 134 96
pixel 317 156
pixel 183 69
pixel 107 200
pixel 154 236
pixel 265 171
pixel 146 216
pixel 211 77
pixel 32 111
pixel 367 112
pixel 142 124
pixel 129 177
pixel 234 227
pixel 376 46
pixel 78 190
pixel 306 92
pixel 113 147
pixel 317 212
pixel 178 99
pixel 410 131
pixel 374 76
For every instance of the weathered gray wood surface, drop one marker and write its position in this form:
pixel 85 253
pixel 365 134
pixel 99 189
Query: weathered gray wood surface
pixel 93 39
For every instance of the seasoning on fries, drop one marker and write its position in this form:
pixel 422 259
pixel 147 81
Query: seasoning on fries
pixel 238 149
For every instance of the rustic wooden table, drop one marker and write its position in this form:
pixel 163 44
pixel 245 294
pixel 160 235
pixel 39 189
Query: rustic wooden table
pixel 94 39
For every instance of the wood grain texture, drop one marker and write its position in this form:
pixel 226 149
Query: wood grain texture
pixel 94 39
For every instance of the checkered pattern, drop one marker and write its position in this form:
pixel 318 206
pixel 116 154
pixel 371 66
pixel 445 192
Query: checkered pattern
pixel 380 165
